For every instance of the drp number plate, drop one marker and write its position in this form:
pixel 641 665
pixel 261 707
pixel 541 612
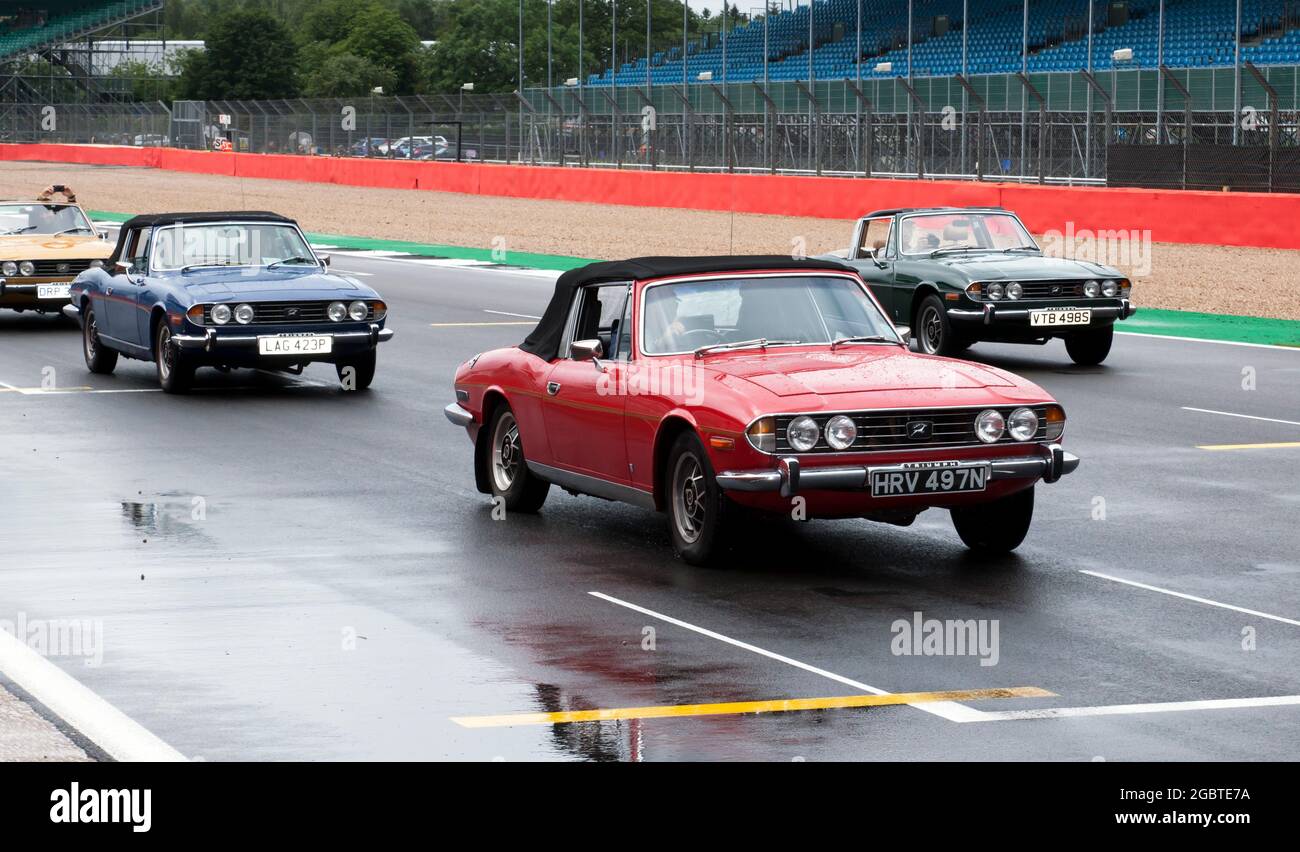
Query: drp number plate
pixel 295 344
pixel 53 291
pixel 943 477
pixel 1061 316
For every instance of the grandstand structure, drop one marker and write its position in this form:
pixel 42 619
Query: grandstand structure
pixel 50 49
pixel 1187 93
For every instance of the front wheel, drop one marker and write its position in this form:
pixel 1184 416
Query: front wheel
pixel 696 506
pixel 99 358
pixel 996 527
pixel 358 372
pixel 934 334
pixel 508 471
pixel 175 373
pixel 1089 348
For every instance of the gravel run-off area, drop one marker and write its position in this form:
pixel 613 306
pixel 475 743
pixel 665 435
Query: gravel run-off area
pixel 1206 278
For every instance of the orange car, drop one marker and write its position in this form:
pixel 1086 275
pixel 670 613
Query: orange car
pixel 44 244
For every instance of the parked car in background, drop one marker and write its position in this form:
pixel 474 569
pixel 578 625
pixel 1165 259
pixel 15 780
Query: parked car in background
pixel 44 244
pixel 696 386
pixel 962 275
pixel 226 290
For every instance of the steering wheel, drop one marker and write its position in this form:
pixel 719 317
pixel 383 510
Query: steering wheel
pixel 692 338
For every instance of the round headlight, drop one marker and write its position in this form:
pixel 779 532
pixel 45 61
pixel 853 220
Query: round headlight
pixel 97 264
pixel 990 426
pixel 244 314
pixel 1109 288
pixel 9 268
pixel 221 314
pixel 1023 424
pixel 337 311
pixel 27 267
pixel 995 291
pixel 1091 289
pixel 840 432
pixel 802 433
pixel 1014 290
pixel 358 311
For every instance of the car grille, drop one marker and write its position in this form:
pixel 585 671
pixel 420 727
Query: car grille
pixel 286 313
pixel 60 267
pixel 887 430
pixel 1052 289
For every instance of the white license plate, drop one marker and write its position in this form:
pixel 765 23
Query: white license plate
pixel 1061 316
pixel 53 291
pixel 951 477
pixel 295 344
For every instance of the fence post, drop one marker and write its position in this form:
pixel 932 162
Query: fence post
pixel 769 126
pixel 864 147
pixel 920 125
pixel 814 122
pixel 1042 125
pixel 1109 106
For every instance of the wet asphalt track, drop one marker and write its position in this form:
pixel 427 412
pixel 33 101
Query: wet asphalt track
pixel 286 571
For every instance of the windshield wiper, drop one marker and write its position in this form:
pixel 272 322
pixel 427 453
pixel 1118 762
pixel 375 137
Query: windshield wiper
pixel 1018 248
pixel 940 251
pixel 865 338
pixel 207 265
pixel 295 259
pixel 75 230
pixel 20 230
pixel 760 342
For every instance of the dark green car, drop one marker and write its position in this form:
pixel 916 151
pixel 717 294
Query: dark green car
pixel 960 275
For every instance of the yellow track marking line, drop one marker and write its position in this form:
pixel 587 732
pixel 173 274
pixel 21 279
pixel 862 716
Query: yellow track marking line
pixel 1276 445
pixel 777 705
pixel 474 324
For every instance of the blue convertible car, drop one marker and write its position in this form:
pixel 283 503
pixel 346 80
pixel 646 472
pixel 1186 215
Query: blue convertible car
pixel 226 290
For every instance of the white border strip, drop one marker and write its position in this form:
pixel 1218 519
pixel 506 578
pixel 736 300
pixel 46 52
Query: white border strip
pixel 120 736
pixel 1193 598
pixel 950 710
pixel 1150 335
pixel 1131 709
pixel 1243 416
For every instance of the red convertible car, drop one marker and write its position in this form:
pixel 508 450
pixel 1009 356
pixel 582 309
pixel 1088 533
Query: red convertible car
pixel 699 385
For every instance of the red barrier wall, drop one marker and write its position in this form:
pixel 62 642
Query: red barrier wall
pixel 1216 218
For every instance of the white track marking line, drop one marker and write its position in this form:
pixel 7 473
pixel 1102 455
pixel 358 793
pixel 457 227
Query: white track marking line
pixel 1208 340
pixel 1243 416
pixel 510 314
pixel 950 710
pixel 1193 598
pixel 1133 709
pixel 117 734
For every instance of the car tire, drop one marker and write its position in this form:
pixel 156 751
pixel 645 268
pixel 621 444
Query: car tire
pixel 363 367
pixel 99 358
pixel 508 472
pixel 933 332
pixel 175 372
pixel 996 527
pixel 1090 348
pixel 697 508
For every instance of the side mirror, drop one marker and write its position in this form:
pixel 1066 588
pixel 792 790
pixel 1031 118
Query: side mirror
pixel 586 350
pixel 123 267
pixel 324 259
pixel 905 332
pixel 103 233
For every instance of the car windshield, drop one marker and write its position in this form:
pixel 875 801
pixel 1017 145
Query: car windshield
pixel 781 310
pixel 229 244
pixel 956 232
pixel 42 219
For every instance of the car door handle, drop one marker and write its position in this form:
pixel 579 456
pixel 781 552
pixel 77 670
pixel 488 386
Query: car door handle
pixel 552 388
pixel 108 291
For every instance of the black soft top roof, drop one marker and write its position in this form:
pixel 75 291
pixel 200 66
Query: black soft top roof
pixel 157 220
pixel 544 341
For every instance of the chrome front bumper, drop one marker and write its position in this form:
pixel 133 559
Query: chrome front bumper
pixel 1002 312
pixel 790 477
pixel 458 416
pixel 210 341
